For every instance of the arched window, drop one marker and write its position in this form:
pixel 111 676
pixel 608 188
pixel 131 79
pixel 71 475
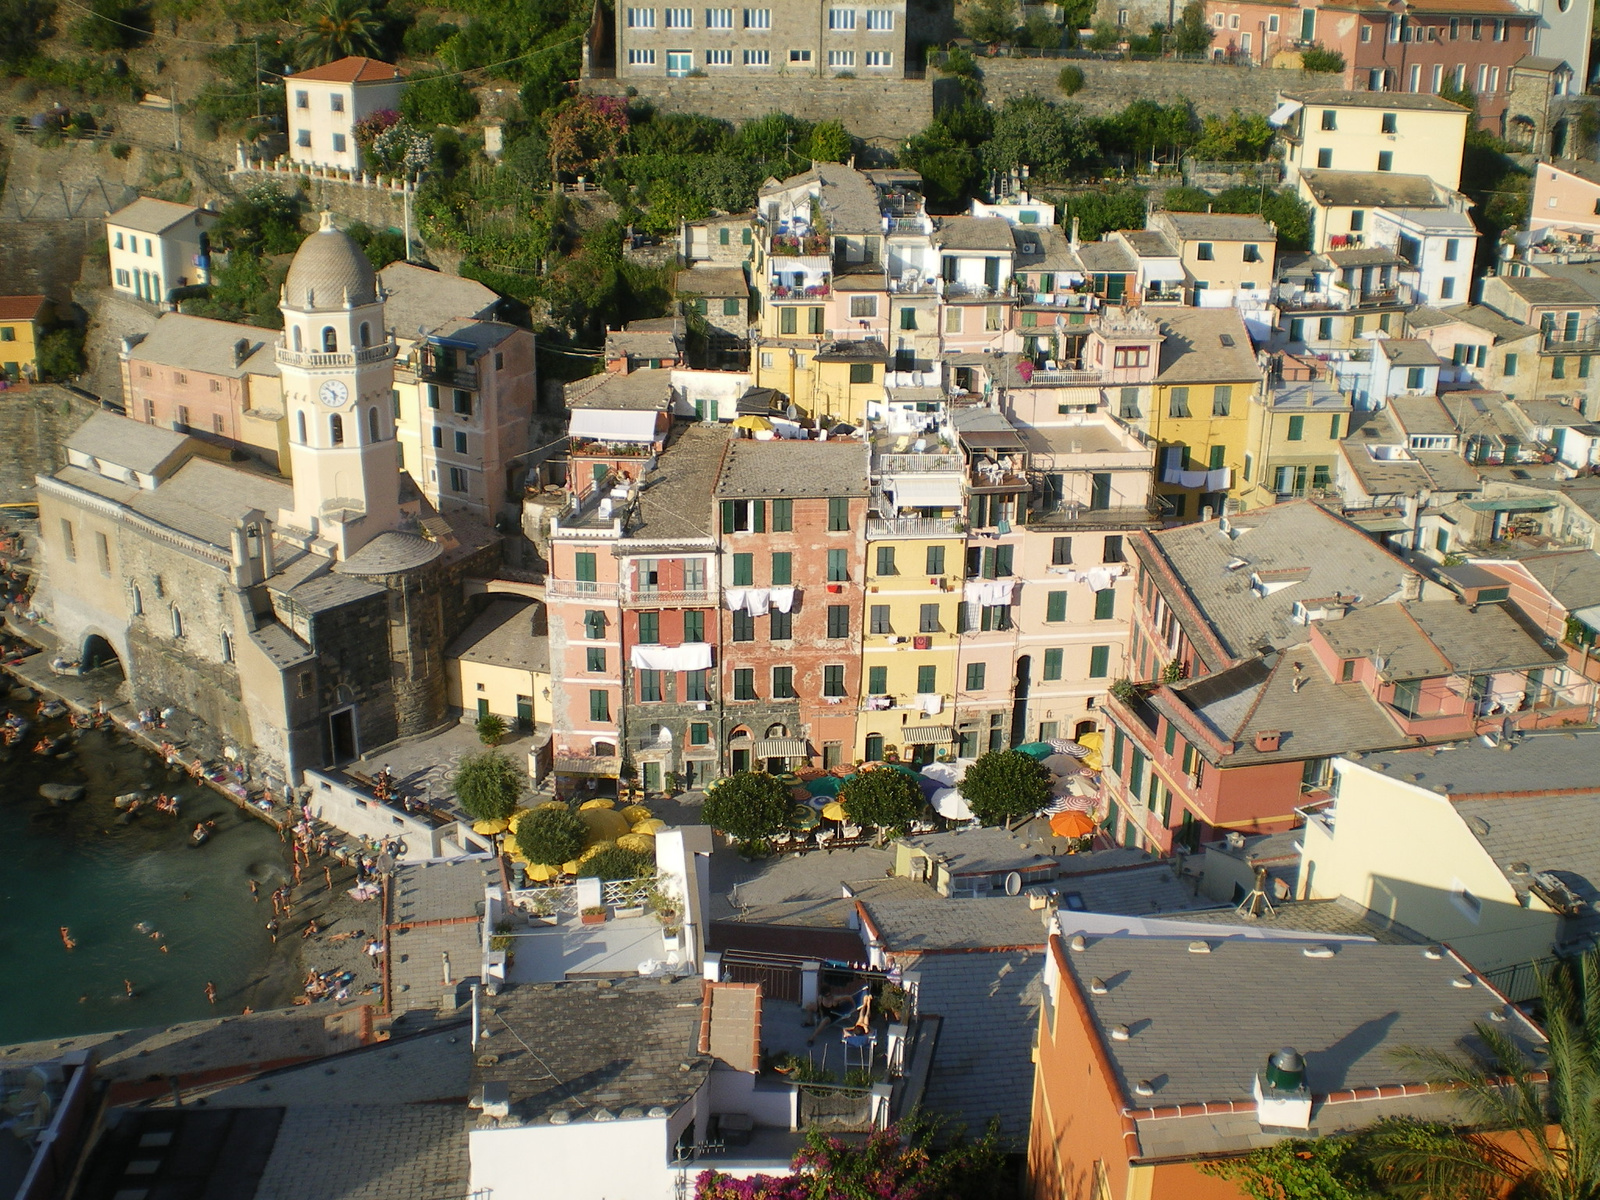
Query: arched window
pixel 177 622
pixel 330 339
pixel 777 731
pixel 372 423
pixel 336 429
pixel 138 601
pixel 605 749
pixel 300 420
pixel 227 648
pixel 366 334
pixel 295 332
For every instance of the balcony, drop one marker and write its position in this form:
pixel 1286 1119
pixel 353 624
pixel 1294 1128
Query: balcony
pixel 975 291
pixel 650 597
pixel 794 245
pixel 882 527
pixel 1567 340
pixel 930 463
pixel 580 589
pixel 336 361
pixel 1058 378
pixel 432 371
pixel 779 293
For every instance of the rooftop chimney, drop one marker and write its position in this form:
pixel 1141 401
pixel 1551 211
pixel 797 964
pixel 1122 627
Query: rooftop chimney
pixel 1073 240
pixel 1267 740
pixel 1282 1099
pixel 1411 587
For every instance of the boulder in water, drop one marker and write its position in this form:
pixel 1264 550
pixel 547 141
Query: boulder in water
pixel 61 791
pixel 23 695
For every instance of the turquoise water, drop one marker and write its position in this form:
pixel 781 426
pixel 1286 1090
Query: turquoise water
pixel 74 865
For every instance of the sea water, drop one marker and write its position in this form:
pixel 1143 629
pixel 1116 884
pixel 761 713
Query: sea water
pixel 75 865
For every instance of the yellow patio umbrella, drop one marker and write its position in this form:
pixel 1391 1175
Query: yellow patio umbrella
pixel 516 818
pixel 542 872
pixel 603 824
pixel 644 843
pixel 835 812
pixel 754 422
pixel 636 813
pixel 650 827
pixel 602 802
pixel 490 828
pixel 571 867
pixel 1092 741
pixel 551 804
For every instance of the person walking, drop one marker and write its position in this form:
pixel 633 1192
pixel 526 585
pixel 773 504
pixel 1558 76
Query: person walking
pixel 255 891
pixel 272 928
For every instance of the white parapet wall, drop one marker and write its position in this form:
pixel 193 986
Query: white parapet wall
pixel 345 806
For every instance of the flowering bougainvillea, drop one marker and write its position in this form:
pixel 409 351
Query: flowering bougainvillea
pixel 585 132
pixel 905 1162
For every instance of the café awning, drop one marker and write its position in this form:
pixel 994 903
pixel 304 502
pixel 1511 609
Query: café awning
pixel 941 491
pixel 927 735
pixel 613 425
pixel 782 748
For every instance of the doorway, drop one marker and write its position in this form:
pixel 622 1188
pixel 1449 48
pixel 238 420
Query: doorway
pixel 1019 700
pixel 1082 728
pixel 342 735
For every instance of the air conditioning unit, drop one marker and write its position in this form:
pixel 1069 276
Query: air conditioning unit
pixel 922 643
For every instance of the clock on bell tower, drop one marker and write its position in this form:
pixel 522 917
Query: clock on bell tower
pixel 337 368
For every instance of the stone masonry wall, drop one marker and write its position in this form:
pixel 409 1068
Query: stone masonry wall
pixel 379 207
pixel 34 422
pixel 1112 85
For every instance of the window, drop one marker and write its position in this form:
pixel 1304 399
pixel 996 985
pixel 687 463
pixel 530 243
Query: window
pixel 438 437
pixel 833 681
pixel 1324 158
pixel 1252 253
pixel 799 56
pixel 335 429
pixel 838 566
pixel 763 58
pixel 1099 661
pixel 679 64
pixel 699 734
pixel 595 659
pixel 860 306
pixel 338 143
pixel 1329 119
pixel 838 620
pixel 880 58
pixel 719 18
pixel 841 18
pixel 934 560
pixel 927 679
pixel 952 320
pixel 1386 160
pixel 975 674
pixel 1447 289
pixel 1128 403
pixel 1465 900
pixel 594 624
pixel 782 626
pixel 929 620
pixel 885 565
pixel 744 627
pixel 1221 400
pixel 862 372
pixel 1452 249
pixel 1061 552
pixel 1406 695
pixel 1297 429
pixel 461 442
pixel 103 551
pixel 838 515
pixel 782 568
pixel 1558 368
pixel 1131 356
pixel 1052 663
pixel 1510 365
pixel 1272 23
pixel 641 58
pixel 650 686
pixel 641 18
pixel 1203 252
pixel 462 402
pixel 1105 604
pixel 1388 125
pixel 722 58
pixel 1324 329
pixel 1333 425
pixel 458 480
pixel 744 574
pixel 878 619
pixel 1055 606
pixel 783 683
pixel 1414 376
pixel 877 681
pixel 649 628
pixel 599 705
pixel 744 684
pixel 680 18
pixel 1178 402
pixel 302 100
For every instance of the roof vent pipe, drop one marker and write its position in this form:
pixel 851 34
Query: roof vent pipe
pixel 1282 1099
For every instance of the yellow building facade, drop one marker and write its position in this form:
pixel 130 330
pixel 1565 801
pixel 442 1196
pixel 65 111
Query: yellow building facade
pixel 836 382
pixel 501 665
pixel 22 325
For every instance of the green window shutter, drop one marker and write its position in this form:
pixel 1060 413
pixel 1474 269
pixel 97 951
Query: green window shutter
pixel 927 680
pixel 1052 662
pixel 860 372
pixel 700 307
pixel 786 320
pixel 908 318
pixel 975 674
pixel 1218 455
pixel 583 566
pixel 1511 364
pixel 935 560
pixel 838 514
pixel 744 236
pixel 1172 738
pixel 814 321
pixel 744 570
pixel 782 569
pixel 727 516
pixel 1297 428
pixel 782 516
pixel 1055 607
pixel 1333 426
pixel 838 566
pixel 1099 661
pixel 722 237
pixel 730 307
pixel 1136 771
pixel 599 705
pixel 758 516
pixel 1002 561
pixel 1105 604
pixel 1117 740
pixel 877 680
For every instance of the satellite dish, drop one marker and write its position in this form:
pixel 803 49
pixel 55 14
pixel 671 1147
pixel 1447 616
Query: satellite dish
pixel 1013 884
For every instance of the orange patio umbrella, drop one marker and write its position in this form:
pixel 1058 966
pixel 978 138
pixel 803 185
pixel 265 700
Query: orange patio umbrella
pixel 1071 824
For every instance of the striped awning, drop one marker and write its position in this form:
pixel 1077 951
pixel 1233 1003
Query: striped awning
pixel 927 735
pixel 782 748
pixel 582 765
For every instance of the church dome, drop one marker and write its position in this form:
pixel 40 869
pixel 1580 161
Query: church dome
pixel 329 270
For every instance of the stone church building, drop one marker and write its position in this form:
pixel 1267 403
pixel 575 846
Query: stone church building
pixel 305 621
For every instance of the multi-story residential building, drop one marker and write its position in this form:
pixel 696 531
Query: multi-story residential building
pixel 156 246
pixel 1200 409
pixel 792 518
pixel 716 307
pixel 1342 201
pixel 327 102
pixel 1373 131
pixel 214 379
pixel 1298 420
pixel 1540 115
pixel 1227 259
pixel 725 240
pixel 22 325
pixel 649 344
pixel 1566 196
pixel 1559 592
pixel 883 40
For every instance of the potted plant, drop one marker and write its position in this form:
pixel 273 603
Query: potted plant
pixel 672 936
pixel 593 915
pixel 893 1002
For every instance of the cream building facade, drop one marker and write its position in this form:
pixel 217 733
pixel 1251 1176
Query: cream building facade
pixel 327 102
pixel 155 246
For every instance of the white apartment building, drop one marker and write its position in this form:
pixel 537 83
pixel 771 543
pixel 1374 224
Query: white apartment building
pixel 156 246
pixel 326 102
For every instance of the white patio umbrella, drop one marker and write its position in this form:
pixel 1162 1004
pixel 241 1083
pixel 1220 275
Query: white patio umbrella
pixel 945 773
pixel 948 802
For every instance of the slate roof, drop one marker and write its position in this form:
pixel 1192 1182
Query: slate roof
pixel 785 468
pixel 1299 535
pixel 1107 258
pixel 206 347
pixel 1537 764
pixel 978 851
pixel 206 499
pixel 1572 576
pixel 912 918
pixel 505 635
pixel 127 443
pixel 1044 248
pixel 1219 227
pixel 847 198
pixel 1203 1024
pixel 637 391
pixel 1536 289
pixel 989 1010
pixel 620 1046
pixel 1435 638
pixel 1193 350
pixel 152 216
pixel 1396 101
pixel 1372 189
pixel 660 337
pixel 974 233
pixel 1502 326
pixel 1149 243
pixel 441 889
pixel 420 299
pixel 1409 352
pixel 1421 415
pixel 368 1152
pixel 674 500
pixel 1340 916
pixel 1135 890
pixel 714 281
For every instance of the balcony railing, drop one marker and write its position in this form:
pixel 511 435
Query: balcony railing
pixel 458 377
pixel 1063 378
pixel 1581 341
pixel 881 527
pixel 580 589
pixel 920 464
pixel 815 291
pixel 669 598
pixel 322 358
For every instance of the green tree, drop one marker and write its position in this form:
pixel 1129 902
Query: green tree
pixel 23 25
pixel 1105 35
pixel 1329 1168
pixel 885 798
pixel 1328 62
pixel 112 25
pixel 1050 139
pixel 1146 127
pixel 551 836
pixel 748 804
pixel 437 99
pixel 338 29
pixel 990 20
pixel 265 220
pixel 1104 210
pixel 61 353
pixel 951 170
pixel 617 863
pixel 1234 138
pixel 1003 785
pixel 1043 32
pixel 1193 33
pixel 382 246
pixel 1070 80
pixel 831 142
pixel 243 289
pixel 488 785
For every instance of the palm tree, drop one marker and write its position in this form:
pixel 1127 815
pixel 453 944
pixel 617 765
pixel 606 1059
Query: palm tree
pixel 1550 1111
pixel 338 29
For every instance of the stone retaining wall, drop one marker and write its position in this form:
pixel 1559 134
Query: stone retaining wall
pixel 34 423
pixel 1112 85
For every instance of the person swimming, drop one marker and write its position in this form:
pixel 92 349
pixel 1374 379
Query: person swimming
pixel 67 939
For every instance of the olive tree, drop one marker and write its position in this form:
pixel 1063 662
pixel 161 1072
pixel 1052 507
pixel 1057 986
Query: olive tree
pixel 749 805
pixel 886 798
pixel 551 836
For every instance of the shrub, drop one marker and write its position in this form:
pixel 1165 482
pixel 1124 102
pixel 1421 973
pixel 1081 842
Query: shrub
pixel 551 836
pixel 1070 81
pixel 886 798
pixel 1317 59
pixel 489 786
pixel 430 100
pixel 491 729
pixel 749 805
pixel 61 353
pixel 617 863
pixel 120 150
pixel 1004 784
